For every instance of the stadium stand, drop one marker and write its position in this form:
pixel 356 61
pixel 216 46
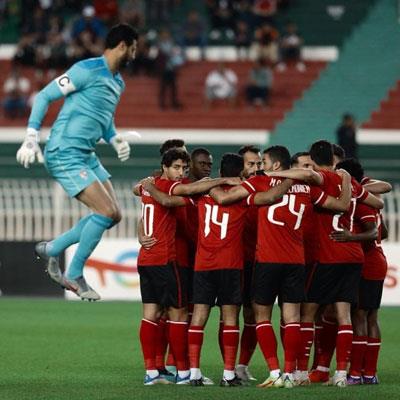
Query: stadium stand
pixel 387 115
pixel 356 82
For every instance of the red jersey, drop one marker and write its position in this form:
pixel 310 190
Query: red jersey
pixel 375 264
pixel 250 234
pixel 280 231
pixel 219 244
pixel 310 243
pixel 181 237
pixel 329 251
pixel 159 222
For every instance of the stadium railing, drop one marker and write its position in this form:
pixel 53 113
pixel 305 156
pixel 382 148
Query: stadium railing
pixel 32 210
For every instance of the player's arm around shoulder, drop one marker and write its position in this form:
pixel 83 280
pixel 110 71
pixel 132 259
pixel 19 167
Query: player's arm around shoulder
pixel 273 194
pixel 165 199
pixel 203 186
pixel 342 203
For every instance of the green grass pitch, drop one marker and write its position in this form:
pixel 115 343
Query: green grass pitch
pixel 54 349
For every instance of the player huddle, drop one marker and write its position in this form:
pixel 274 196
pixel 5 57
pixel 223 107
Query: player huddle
pixel 304 231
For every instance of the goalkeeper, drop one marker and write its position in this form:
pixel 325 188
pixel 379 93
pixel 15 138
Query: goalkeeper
pixel 92 89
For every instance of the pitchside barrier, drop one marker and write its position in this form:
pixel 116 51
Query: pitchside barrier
pixel 34 210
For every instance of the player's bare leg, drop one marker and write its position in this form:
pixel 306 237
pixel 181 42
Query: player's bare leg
pixel 247 345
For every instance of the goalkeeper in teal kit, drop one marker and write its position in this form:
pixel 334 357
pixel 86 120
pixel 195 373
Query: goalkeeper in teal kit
pixel 92 90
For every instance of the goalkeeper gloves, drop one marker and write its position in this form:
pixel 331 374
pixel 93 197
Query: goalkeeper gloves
pixel 30 149
pixel 121 146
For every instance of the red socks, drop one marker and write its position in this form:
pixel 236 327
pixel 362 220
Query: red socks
pixel 292 340
pixel 358 349
pixel 371 356
pixel 267 340
pixel 220 338
pixel 195 339
pixel 248 343
pixel 161 343
pixel 148 340
pixel 306 340
pixel 343 346
pixel 177 332
pixel 230 340
pixel 327 342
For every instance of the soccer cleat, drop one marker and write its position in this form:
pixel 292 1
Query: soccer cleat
pixel 317 376
pixel 148 380
pixel 288 382
pixel 207 381
pixel 272 382
pixel 242 371
pixel 166 375
pixel 196 382
pixel 353 380
pixel 52 263
pixel 182 381
pixel 236 381
pixel 339 379
pixel 301 378
pixel 81 288
pixel 370 380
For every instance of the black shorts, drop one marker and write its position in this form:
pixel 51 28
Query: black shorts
pixel 333 283
pixel 284 280
pixel 223 285
pixel 248 272
pixel 370 294
pixel 187 282
pixel 162 285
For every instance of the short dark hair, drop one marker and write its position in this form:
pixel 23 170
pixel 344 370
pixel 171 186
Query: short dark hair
pixel 170 144
pixel 174 154
pixel 353 167
pixel 338 151
pixel 321 152
pixel 279 153
pixel 231 165
pixel 120 33
pixel 252 149
pixel 199 150
pixel 295 157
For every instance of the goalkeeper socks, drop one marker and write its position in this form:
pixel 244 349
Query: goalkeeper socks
pixel 66 239
pixel 89 239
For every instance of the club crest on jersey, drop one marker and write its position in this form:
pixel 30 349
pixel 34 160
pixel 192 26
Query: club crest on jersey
pixel 83 174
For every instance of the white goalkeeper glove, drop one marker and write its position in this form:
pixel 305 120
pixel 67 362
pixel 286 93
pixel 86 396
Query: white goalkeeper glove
pixel 121 146
pixel 30 149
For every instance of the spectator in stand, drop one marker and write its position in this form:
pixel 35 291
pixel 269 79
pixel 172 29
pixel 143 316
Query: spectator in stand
pixel 221 84
pixel 260 83
pixel 87 36
pixel 169 59
pixel 194 33
pixel 143 61
pixel 266 45
pixel 160 11
pixel 133 12
pixel 52 53
pixel 290 48
pixel 16 89
pixel 346 136
pixel 221 16
pixel 264 12
pixel 107 11
pixel 242 40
